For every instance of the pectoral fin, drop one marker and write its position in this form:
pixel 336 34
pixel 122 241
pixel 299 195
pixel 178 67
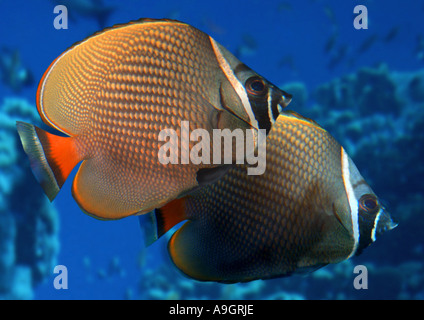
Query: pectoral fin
pixel 206 176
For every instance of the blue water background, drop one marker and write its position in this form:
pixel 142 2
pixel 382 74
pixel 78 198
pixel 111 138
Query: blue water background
pixel 295 29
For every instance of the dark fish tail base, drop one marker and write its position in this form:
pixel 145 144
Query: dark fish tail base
pixel 159 221
pixel 207 176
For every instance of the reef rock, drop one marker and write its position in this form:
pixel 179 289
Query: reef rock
pixel 369 91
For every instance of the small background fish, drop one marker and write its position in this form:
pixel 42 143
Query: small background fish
pixel 386 144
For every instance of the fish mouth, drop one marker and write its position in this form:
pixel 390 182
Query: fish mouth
pixel 286 98
pixel 383 223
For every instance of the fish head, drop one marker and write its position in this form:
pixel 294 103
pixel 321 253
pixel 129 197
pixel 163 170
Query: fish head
pixel 263 93
pixel 370 218
pixel 265 101
pixel 246 94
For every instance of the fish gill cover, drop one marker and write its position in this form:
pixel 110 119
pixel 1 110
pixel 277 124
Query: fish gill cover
pixel 366 87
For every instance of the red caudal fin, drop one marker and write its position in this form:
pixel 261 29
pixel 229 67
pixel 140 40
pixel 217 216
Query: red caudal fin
pixel 52 157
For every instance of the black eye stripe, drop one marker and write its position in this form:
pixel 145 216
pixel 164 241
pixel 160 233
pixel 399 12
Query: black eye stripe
pixel 256 86
pixel 369 203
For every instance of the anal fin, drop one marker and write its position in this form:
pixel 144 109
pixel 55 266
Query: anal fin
pixel 158 222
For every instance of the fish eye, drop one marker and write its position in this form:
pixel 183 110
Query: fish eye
pixel 255 86
pixel 369 203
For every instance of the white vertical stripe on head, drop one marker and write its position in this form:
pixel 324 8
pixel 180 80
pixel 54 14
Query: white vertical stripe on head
pixel 374 229
pixel 270 115
pixel 280 108
pixel 353 202
pixel 238 87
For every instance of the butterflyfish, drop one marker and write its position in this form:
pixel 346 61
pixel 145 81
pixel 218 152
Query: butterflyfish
pixel 310 208
pixel 112 94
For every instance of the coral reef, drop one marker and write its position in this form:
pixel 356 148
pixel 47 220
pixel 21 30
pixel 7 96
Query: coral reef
pixel 28 228
pixel 367 91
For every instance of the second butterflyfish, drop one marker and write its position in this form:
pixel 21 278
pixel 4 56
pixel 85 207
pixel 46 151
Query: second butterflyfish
pixel 310 208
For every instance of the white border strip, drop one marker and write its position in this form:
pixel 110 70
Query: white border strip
pixel 374 229
pixel 353 202
pixel 270 115
pixel 226 68
pixel 42 91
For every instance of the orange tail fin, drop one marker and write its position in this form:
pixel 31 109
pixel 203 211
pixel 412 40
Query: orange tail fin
pixel 52 157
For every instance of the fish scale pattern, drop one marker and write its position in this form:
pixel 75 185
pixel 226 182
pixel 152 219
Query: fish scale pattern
pixel 131 79
pixel 130 98
pixel 249 227
pixel 114 92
